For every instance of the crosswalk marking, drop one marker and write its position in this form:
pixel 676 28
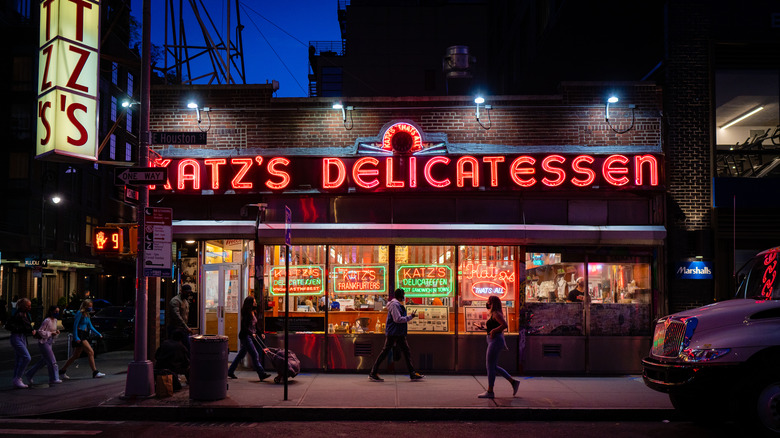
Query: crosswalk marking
pixel 55 432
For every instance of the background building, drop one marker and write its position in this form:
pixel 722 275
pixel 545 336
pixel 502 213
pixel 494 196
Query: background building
pixel 31 225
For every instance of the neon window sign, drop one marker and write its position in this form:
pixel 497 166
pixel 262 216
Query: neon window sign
pixel 304 280
pixel 770 275
pixel 425 280
pixel 482 279
pixel 359 279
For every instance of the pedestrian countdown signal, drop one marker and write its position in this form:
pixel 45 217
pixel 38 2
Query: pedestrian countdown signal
pixel 108 240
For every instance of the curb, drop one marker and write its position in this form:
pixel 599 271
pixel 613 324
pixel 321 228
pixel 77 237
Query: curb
pixel 261 414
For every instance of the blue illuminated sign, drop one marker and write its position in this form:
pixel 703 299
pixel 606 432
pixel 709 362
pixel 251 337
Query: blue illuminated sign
pixel 694 270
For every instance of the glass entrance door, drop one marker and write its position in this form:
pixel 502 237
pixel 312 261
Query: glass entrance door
pixel 222 301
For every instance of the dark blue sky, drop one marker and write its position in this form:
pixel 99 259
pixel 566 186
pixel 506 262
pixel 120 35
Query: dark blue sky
pixel 303 20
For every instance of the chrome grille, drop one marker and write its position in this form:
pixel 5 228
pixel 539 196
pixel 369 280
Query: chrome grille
pixel 668 338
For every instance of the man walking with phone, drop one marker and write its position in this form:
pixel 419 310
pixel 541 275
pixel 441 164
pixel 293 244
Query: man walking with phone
pixel 395 332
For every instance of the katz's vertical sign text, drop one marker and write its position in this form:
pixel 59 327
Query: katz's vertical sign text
pixel 68 62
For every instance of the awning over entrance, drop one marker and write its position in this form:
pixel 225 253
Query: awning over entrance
pixel 308 233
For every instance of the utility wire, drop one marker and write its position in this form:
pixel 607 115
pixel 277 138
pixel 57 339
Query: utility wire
pixel 274 50
pixel 274 24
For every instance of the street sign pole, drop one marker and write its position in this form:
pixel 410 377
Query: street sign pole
pixel 140 377
pixel 287 238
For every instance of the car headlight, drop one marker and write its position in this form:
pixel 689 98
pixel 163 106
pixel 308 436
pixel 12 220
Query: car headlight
pixel 696 355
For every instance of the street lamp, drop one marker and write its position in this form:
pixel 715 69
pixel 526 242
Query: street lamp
pixel 54 199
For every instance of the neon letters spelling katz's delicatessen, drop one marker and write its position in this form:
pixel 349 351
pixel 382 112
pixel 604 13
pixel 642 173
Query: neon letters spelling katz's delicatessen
pixel 259 173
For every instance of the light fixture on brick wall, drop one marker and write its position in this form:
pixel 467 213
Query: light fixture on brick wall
pixel 194 105
pixel 614 99
pixel 479 101
pixel 344 111
pixel 127 103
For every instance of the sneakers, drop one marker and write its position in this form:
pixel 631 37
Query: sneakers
pixel 264 376
pixel 30 380
pixel 232 376
pixel 64 376
pixel 486 394
pixel 416 376
pixel 374 377
pixel 515 386
pixel 19 384
pixel 55 381
pixel 97 374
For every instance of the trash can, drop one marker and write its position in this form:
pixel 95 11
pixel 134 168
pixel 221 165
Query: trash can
pixel 208 367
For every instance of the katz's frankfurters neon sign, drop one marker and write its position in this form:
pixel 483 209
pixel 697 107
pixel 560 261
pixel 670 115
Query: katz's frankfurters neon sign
pixel 257 174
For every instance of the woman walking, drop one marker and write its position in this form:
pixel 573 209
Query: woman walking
pixel 495 327
pixel 20 327
pixel 246 336
pixel 81 327
pixel 46 334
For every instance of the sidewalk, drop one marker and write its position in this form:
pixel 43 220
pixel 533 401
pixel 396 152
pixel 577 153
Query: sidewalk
pixel 343 397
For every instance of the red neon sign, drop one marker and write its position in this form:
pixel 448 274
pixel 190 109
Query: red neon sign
pixel 402 137
pixel 409 173
pixel 770 274
pixel 483 279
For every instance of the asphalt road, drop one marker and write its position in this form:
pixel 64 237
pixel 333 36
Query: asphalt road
pixel 302 429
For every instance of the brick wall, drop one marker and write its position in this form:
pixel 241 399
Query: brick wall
pixel 687 109
pixel 246 116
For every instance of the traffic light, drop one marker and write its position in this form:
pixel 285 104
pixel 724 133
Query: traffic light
pixel 108 240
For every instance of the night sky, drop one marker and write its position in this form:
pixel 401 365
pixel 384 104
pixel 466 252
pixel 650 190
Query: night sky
pixel 303 20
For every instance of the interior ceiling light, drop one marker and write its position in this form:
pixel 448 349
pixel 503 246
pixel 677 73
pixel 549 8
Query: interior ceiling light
pixel 742 117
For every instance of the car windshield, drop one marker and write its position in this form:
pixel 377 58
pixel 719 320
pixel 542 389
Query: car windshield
pixel 115 311
pixel 758 278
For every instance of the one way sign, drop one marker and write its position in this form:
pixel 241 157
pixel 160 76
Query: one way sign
pixel 140 176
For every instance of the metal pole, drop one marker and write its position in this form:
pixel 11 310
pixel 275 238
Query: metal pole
pixel 140 378
pixel 286 313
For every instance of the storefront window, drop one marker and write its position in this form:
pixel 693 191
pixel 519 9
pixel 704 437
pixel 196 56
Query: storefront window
pixel 426 274
pixel 224 251
pixel 484 271
pixel 620 298
pixel 551 302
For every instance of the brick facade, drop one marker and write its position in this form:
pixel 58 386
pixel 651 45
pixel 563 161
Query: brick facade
pixel 688 109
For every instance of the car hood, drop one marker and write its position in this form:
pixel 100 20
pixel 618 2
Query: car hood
pixel 725 313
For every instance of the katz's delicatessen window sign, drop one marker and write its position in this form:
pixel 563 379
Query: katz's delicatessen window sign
pixel 351 283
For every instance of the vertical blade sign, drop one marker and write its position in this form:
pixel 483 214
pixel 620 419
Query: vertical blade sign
pixel 68 62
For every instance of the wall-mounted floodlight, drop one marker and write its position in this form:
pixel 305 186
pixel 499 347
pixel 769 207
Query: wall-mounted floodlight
pixel 614 99
pixel 479 101
pixel 344 109
pixel 56 199
pixel 742 117
pixel 194 105
pixel 127 103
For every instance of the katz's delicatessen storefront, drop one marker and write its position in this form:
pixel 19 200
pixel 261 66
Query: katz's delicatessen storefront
pixel 450 223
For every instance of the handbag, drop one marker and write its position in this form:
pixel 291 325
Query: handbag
pixel 163 385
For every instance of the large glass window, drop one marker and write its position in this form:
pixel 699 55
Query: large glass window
pixel 427 276
pixel 551 300
pixel 484 271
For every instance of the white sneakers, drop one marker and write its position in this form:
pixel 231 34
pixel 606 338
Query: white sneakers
pixel 19 384
pixel 55 381
pixel 98 374
pixel 486 394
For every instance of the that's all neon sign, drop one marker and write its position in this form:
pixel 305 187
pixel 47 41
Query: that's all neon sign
pixel 257 174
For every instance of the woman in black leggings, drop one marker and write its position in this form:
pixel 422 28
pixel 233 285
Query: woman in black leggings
pixel 495 343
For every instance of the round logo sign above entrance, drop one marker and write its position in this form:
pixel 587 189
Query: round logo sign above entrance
pixel 402 138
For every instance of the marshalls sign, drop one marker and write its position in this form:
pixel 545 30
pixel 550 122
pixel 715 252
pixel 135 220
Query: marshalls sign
pixel 68 62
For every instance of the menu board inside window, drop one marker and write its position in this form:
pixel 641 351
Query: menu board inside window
pixel 429 319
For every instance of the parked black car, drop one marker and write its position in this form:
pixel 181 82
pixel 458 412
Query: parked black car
pixel 69 313
pixel 116 324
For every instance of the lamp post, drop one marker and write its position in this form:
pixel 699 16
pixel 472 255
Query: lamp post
pixel 55 199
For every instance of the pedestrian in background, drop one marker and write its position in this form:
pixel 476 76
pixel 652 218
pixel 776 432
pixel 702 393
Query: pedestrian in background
pixel 495 327
pixel 246 336
pixel 46 334
pixel 82 325
pixel 20 327
pixel 395 334
pixel 179 314
pixel 3 311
